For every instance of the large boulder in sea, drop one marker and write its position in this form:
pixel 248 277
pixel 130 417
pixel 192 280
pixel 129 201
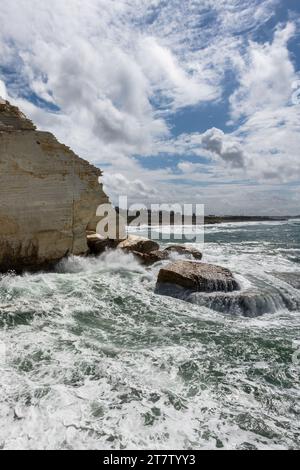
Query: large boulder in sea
pixel 49 196
pixel 199 277
pixel 138 244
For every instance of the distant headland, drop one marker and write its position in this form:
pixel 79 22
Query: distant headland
pixel 171 218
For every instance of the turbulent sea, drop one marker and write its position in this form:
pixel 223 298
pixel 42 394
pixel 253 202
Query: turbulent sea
pixel 92 358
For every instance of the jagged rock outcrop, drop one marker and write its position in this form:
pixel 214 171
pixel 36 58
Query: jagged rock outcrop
pixel 98 244
pixel 199 277
pixel 138 244
pixel 144 250
pixel 11 119
pixel 48 195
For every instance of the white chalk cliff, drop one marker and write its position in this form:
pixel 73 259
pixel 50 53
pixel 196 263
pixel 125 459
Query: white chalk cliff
pixel 48 195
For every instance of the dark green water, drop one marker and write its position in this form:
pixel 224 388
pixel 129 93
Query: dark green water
pixel 91 358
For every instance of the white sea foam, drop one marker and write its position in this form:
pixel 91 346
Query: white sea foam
pixel 94 359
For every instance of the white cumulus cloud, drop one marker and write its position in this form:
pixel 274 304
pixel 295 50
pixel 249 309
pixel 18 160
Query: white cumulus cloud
pixel 3 93
pixel 109 77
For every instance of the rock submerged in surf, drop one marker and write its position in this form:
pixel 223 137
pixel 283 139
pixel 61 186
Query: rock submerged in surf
pixel 155 256
pixel 249 303
pixel 184 250
pixel 197 277
pixel 144 249
pixel 148 259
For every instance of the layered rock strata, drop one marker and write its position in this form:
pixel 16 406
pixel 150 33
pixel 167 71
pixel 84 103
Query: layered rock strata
pixel 48 195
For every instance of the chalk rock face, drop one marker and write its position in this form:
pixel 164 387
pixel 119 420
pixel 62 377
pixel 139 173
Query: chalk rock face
pixel 198 277
pixel 48 195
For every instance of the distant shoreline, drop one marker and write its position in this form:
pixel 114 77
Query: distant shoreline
pixel 210 220
pixel 162 219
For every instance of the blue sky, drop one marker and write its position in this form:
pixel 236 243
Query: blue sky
pixel 192 101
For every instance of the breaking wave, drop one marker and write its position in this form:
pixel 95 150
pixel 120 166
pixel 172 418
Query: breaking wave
pixel 92 358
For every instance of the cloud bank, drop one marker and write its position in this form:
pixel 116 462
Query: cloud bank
pixel 111 79
pixel 3 93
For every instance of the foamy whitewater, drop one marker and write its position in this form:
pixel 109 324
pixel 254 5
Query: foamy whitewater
pixel 92 358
